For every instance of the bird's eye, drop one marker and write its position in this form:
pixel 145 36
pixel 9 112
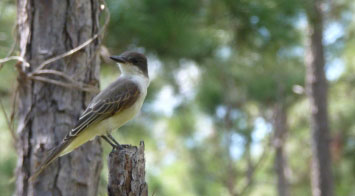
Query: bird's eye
pixel 134 61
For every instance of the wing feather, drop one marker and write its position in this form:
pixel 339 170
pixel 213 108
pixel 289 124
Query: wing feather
pixel 107 104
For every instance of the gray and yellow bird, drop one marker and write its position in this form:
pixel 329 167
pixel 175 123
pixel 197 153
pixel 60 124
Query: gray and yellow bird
pixel 110 109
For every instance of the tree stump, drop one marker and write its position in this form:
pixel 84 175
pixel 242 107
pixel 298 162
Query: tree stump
pixel 127 171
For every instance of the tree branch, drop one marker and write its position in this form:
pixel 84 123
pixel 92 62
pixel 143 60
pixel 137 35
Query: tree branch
pixel 127 171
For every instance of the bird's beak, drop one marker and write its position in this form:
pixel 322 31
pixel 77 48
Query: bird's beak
pixel 119 59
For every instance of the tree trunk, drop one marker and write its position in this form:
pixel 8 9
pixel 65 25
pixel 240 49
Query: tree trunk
pixel 280 133
pixel 127 172
pixel 46 111
pixel 321 174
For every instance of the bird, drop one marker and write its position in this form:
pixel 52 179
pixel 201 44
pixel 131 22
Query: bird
pixel 110 109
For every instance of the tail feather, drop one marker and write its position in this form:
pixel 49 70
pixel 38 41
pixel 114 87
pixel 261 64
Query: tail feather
pixel 53 155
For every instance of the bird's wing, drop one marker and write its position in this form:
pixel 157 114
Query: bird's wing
pixel 120 95
pixel 103 106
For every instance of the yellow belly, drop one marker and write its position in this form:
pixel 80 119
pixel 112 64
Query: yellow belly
pixel 105 126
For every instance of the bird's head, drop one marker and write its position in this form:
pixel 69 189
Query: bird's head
pixel 132 63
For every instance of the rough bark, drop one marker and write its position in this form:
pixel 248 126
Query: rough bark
pixel 127 172
pixel 321 175
pixel 46 111
pixel 280 133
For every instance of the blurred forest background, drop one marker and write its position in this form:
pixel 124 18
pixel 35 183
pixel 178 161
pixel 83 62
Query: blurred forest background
pixel 224 72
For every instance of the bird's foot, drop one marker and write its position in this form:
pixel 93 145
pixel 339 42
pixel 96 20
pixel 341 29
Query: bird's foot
pixel 109 139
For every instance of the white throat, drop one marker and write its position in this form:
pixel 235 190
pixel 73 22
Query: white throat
pixel 135 74
pixel 127 69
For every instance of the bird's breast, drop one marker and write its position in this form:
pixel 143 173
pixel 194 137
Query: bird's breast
pixel 122 117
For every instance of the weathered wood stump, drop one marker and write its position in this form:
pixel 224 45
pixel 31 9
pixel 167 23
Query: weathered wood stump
pixel 127 171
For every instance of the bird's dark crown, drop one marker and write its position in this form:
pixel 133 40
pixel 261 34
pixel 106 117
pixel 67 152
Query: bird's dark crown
pixel 133 58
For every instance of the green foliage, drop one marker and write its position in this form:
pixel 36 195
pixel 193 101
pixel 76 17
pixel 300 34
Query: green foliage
pixel 7 76
pixel 210 92
pixel 172 29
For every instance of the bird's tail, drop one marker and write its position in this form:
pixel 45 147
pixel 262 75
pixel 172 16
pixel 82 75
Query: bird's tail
pixel 53 155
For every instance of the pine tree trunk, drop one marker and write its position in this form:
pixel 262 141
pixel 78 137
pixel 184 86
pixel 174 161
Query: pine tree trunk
pixel 127 172
pixel 321 174
pixel 280 129
pixel 46 111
